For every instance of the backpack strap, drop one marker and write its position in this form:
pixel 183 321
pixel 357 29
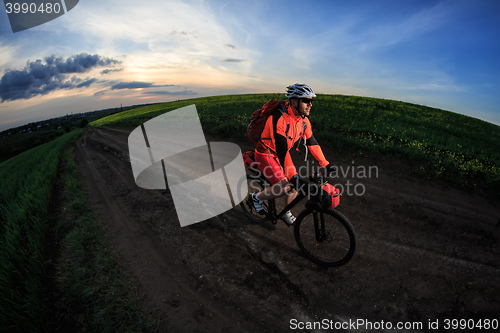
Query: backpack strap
pixel 283 110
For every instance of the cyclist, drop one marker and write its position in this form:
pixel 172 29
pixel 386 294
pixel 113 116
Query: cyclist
pixel 281 132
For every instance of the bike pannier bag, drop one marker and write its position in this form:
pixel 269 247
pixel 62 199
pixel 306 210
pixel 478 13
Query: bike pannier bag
pixel 249 160
pixel 333 195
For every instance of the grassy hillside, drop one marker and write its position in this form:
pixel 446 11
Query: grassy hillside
pixel 88 289
pixel 13 145
pixel 24 198
pixel 439 144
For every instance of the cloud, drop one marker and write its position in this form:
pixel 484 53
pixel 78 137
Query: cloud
pixel 138 85
pixel 143 85
pixel 232 60
pixel 86 83
pixel 79 63
pixel 101 92
pixel 7 54
pixel 107 71
pixel 193 34
pixel 183 35
pixel 40 78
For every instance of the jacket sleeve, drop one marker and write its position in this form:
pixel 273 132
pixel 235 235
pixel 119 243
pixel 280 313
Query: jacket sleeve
pixel 317 152
pixel 313 146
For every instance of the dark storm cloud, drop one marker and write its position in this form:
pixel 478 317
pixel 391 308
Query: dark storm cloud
pixel 41 77
pixel 79 63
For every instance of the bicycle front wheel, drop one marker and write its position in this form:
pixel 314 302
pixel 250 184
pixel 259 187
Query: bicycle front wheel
pixel 327 237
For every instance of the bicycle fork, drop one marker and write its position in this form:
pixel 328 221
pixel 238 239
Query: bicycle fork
pixel 319 226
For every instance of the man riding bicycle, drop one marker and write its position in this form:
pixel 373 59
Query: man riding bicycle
pixel 272 154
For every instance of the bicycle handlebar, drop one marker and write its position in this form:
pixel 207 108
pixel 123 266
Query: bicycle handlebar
pixel 316 180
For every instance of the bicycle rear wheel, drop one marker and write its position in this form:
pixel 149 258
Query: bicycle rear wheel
pixel 327 237
pixel 255 184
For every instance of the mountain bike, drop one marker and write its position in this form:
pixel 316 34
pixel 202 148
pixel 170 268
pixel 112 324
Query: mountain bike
pixel 324 235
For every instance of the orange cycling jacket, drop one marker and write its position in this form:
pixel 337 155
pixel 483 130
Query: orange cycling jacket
pixel 282 131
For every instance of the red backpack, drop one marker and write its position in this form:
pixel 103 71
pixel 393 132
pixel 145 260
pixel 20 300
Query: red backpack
pixel 259 119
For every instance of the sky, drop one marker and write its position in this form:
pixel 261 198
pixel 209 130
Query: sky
pixel 108 53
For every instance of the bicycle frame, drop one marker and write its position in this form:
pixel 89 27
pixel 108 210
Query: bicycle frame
pixel 275 217
pixel 301 195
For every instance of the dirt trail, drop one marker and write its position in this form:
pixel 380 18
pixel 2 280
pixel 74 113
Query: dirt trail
pixel 425 252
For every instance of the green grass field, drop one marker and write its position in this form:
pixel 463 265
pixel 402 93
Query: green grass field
pixel 89 290
pixel 24 201
pixel 436 144
pixel 13 145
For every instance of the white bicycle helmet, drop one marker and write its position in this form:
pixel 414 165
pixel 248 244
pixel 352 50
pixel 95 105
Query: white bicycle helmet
pixel 299 90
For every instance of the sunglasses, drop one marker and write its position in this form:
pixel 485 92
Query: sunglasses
pixel 306 100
